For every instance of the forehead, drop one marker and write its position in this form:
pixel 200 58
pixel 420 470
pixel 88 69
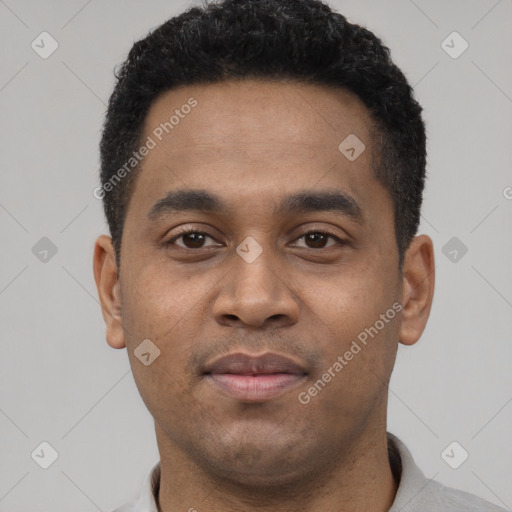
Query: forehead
pixel 244 112
pixel 241 138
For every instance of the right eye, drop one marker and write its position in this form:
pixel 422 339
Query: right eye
pixel 191 239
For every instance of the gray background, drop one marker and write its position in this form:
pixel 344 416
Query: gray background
pixel 62 383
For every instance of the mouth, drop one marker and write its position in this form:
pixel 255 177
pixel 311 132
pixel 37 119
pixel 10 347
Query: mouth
pixel 254 378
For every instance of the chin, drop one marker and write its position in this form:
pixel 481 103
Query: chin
pixel 254 460
pixel 264 475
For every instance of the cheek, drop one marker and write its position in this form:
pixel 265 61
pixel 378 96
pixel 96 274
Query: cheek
pixel 157 303
pixel 163 309
pixel 357 315
pixel 351 300
pixel 359 350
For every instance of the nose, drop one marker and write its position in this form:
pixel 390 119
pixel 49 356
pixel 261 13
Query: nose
pixel 254 295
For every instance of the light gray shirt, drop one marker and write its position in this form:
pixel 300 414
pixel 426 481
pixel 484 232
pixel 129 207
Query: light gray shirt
pixel 415 492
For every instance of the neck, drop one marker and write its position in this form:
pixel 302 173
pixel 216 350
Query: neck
pixel 359 479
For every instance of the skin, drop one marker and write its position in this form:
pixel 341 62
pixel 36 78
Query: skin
pixel 251 143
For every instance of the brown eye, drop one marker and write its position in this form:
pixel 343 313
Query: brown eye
pixel 318 239
pixel 196 240
pixel 190 239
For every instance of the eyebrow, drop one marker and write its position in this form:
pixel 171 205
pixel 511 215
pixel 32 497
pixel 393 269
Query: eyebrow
pixel 303 201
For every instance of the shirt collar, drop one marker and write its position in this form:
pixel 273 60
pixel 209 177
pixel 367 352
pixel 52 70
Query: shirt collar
pixel 150 488
pixel 412 480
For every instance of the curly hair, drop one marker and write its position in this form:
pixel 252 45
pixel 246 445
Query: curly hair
pixel 302 40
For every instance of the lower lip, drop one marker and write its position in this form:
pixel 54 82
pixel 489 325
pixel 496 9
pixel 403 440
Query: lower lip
pixel 255 388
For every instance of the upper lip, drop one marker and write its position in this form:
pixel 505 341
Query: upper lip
pixel 246 364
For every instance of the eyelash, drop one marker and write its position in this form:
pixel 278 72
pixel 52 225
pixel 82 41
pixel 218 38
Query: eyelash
pixel 194 231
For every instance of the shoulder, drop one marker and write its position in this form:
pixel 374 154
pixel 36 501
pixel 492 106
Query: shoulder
pixel 419 494
pixel 454 500
pixel 127 507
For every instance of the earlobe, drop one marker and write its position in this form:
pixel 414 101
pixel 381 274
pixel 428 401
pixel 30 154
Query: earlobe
pixel 108 286
pixel 418 288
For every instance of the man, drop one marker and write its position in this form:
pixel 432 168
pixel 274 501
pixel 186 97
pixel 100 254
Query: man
pixel 263 164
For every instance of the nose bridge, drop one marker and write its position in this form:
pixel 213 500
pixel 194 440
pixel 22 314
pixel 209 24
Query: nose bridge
pixel 254 275
pixel 254 271
pixel 255 290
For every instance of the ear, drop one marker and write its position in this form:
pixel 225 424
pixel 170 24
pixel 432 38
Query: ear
pixel 107 283
pixel 417 288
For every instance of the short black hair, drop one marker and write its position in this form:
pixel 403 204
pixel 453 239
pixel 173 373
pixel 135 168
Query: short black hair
pixel 301 40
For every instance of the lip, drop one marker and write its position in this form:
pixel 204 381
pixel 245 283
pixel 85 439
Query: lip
pixel 254 378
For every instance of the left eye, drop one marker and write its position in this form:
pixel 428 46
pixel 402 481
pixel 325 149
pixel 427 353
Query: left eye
pixel 196 239
pixel 319 239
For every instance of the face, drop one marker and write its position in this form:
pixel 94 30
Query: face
pixel 289 253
